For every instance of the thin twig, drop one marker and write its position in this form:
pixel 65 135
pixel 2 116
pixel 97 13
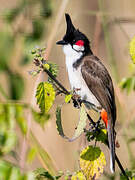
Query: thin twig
pixel 97 34
pixel 56 81
pixel 120 166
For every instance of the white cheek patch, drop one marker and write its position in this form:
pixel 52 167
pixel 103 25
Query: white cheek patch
pixel 78 48
pixel 71 53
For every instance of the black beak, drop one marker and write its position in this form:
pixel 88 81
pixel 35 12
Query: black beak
pixel 62 42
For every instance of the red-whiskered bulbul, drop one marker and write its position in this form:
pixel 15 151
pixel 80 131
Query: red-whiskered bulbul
pixel 89 76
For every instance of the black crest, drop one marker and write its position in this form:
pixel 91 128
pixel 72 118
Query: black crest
pixel 73 35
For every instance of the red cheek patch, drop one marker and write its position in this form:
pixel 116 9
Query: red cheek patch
pixel 79 43
pixel 104 117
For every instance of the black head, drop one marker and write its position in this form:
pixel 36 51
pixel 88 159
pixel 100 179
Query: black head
pixel 74 37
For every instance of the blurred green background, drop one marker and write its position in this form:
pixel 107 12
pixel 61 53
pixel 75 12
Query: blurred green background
pixel 25 24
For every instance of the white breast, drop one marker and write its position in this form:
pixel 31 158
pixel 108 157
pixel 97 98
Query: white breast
pixel 75 75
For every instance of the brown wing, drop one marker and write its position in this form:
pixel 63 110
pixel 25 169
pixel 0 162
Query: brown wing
pixel 100 84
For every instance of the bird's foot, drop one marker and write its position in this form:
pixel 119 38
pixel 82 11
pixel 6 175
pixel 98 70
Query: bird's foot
pixel 76 99
pixel 94 130
pixel 76 103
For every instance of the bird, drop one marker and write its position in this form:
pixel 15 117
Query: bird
pixel 90 79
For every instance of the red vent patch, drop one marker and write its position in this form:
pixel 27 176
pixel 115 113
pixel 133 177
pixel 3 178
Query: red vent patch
pixel 79 43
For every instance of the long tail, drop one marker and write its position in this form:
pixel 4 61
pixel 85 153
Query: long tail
pixel 108 120
pixel 111 140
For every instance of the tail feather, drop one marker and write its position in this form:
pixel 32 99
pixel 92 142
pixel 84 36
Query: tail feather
pixel 111 140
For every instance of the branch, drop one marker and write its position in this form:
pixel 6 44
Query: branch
pixel 120 166
pixel 65 91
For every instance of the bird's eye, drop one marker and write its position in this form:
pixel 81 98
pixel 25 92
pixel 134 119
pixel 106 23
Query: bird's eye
pixel 79 43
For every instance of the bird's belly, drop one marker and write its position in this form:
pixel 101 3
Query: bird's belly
pixel 77 82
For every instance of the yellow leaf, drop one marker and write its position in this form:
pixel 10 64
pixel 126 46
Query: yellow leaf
pixel 46 66
pixel 45 95
pixel 132 49
pixel 81 124
pixel 68 98
pixel 92 162
pixel 78 176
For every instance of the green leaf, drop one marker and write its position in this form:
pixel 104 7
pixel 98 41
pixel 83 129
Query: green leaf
pixel 34 72
pixel 45 95
pixel 68 98
pixel 31 154
pixel 46 159
pixel 3 93
pixel 21 119
pixel 41 173
pixel 102 136
pixel 11 14
pixel 40 118
pixel 14 173
pixel 131 140
pixel 132 49
pixel 10 172
pixel 26 59
pixel 4 169
pixel 53 68
pixel 132 68
pixel 78 176
pixel 16 84
pixel 9 111
pixel 80 127
pixel 81 124
pixel 128 84
pixel 58 122
pixel 28 176
pixel 37 30
pixel 10 141
pixel 92 162
pixel 6 48
pixel 46 9
pixel 130 174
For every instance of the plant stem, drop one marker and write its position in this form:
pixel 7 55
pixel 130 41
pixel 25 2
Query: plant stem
pixel 120 166
pixel 108 43
pixel 65 91
pixel 3 93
